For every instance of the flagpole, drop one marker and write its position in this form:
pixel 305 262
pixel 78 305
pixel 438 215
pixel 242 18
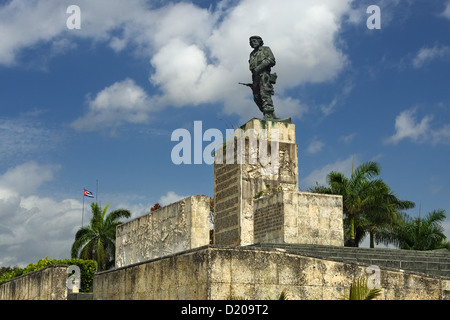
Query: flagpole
pixel 82 212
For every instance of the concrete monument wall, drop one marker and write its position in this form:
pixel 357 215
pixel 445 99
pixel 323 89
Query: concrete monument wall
pixel 269 164
pixel 177 227
pixel 299 217
pixel 45 284
pixel 218 273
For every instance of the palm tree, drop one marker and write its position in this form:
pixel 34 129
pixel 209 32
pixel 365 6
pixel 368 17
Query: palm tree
pixel 418 233
pixel 358 192
pixel 384 213
pixel 96 241
pixel 369 204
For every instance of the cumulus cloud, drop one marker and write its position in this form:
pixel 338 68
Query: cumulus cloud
pixel 197 55
pixel 33 227
pixel 25 178
pixel 23 24
pixel 408 127
pixel 203 63
pixel 124 101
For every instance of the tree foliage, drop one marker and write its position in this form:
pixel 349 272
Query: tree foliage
pixel 359 290
pixel 96 241
pixel 417 233
pixel 369 205
pixel 87 269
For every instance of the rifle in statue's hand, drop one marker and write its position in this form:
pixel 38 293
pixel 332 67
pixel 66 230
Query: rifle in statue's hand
pixel 250 85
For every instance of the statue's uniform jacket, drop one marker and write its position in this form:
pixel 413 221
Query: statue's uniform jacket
pixel 261 61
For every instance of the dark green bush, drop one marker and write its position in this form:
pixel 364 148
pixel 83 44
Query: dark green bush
pixel 87 269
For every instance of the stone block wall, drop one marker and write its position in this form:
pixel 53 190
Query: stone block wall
pixel 174 277
pixel 45 284
pixel 299 217
pixel 220 273
pixel 177 227
pixel 236 183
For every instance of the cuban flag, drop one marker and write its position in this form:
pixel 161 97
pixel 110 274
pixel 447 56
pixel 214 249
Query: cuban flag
pixel 88 194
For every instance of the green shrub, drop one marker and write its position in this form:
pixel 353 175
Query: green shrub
pixel 87 269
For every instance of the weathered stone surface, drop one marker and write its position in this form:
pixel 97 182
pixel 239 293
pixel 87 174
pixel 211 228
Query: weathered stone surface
pixel 45 284
pixel 299 217
pixel 237 181
pixel 174 228
pixel 215 273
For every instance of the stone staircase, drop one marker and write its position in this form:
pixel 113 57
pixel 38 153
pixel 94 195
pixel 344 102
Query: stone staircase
pixel 434 263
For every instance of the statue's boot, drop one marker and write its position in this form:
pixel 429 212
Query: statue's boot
pixel 270 116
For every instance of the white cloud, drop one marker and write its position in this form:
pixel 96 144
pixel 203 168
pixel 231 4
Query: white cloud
pixel 408 127
pixel 426 55
pixel 289 107
pixel 446 12
pixel 169 198
pixel 121 102
pixel 183 74
pixel 198 55
pixel 319 176
pixel 23 24
pixel 390 11
pixel 315 146
pixel 38 227
pixel 206 67
pixel 25 178
pixel 441 135
pixel 33 227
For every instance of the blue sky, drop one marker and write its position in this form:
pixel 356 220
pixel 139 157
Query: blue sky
pixel 99 103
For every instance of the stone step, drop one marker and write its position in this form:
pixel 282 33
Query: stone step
pixel 429 262
pixel 368 256
pixel 363 252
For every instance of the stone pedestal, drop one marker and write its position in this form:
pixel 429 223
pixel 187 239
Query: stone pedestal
pixel 299 218
pixel 262 158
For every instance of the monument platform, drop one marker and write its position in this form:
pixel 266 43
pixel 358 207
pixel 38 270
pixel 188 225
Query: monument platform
pixel 293 217
pixel 256 199
pixel 283 214
pixel 269 155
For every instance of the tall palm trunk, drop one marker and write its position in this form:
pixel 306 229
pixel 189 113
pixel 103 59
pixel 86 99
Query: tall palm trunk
pixel 352 241
pixel 372 242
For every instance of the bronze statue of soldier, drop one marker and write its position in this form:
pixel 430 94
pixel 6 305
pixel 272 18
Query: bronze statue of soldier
pixel 260 63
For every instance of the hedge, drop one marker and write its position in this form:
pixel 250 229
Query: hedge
pixel 87 269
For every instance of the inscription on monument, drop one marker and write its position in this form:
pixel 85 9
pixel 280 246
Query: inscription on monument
pixel 235 185
pixel 269 220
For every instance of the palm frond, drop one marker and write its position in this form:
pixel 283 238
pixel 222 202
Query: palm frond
pixel 97 240
pixel 366 170
pixel 359 290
